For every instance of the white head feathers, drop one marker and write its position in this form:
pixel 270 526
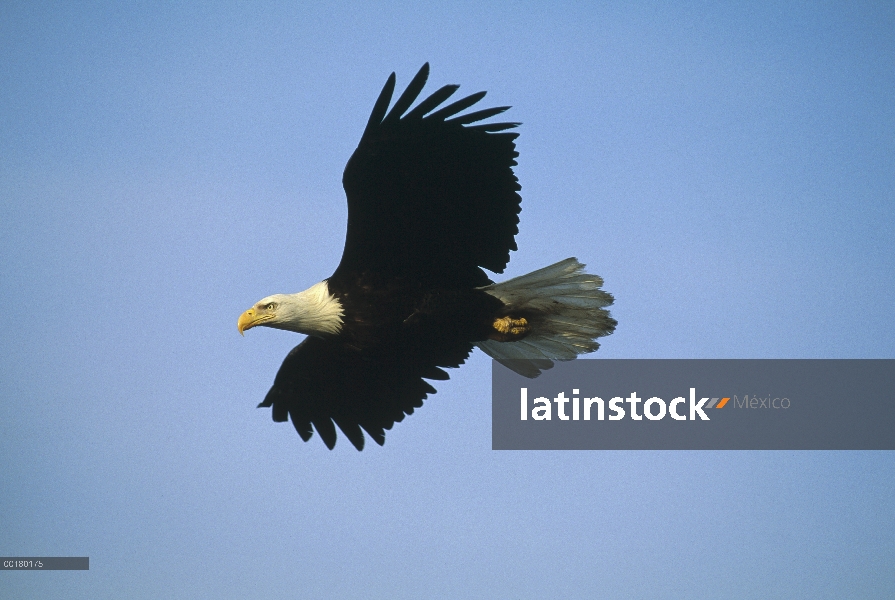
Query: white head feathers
pixel 313 312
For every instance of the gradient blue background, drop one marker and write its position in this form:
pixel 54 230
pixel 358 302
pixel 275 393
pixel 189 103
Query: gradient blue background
pixel 729 170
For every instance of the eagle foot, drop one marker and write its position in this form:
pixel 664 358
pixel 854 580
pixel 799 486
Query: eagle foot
pixel 509 329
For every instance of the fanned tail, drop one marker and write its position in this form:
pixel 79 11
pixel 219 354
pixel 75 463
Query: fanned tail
pixel 565 307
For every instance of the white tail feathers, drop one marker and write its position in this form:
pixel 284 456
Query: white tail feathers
pixel 565 308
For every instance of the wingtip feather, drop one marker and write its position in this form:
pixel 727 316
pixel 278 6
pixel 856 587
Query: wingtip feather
pixel 381 106
pixel 455 107
pixel 410 94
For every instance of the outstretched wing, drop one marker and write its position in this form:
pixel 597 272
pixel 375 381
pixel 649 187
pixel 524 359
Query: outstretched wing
pixel 430 197
pixel 323 383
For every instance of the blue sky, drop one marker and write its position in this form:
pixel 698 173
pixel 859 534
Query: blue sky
pixel 729 171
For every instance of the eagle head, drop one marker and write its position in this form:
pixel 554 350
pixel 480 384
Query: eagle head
pixel 313 312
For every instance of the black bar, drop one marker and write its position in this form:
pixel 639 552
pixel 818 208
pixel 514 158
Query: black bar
pixel 45 563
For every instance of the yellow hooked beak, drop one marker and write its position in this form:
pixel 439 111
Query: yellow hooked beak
pixel 250 318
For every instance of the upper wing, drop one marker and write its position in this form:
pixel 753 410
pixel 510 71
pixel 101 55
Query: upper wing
pixel 322 383
pixel 428 197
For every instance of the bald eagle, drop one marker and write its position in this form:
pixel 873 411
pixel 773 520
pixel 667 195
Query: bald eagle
pixel 432 199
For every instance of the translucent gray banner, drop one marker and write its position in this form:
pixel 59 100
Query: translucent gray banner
pixel 45 563
pixel 697 405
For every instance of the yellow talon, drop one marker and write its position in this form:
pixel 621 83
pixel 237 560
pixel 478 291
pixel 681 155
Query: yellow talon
pixel 502 325
pixel 511 326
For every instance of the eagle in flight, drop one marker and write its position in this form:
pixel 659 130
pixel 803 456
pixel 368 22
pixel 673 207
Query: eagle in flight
pixel 432 200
